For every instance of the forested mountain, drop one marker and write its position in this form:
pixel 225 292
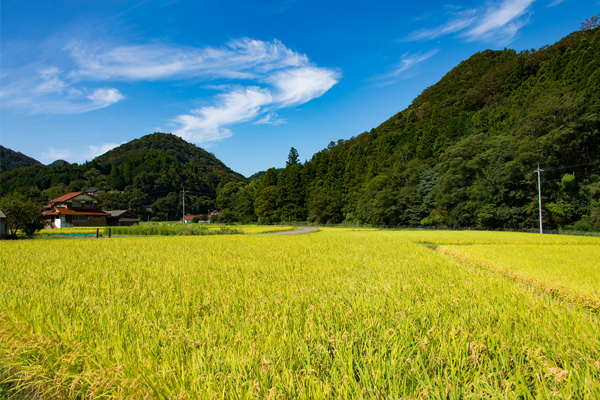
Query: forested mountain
pixel 10 159
pixel 462 154
pixel 145 175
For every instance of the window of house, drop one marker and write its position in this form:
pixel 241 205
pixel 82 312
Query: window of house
pixel 76 204
pixel 80 217
pixel 89 203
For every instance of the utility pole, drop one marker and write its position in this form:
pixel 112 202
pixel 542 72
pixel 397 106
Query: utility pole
pixel 539 172
pixel 183 205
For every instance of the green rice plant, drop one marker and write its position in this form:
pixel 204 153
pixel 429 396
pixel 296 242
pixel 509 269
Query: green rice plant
pixel 84 229
pixel 337 314
pixel 166 230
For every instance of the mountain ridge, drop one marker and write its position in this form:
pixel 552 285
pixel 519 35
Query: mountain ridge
pixel 10 159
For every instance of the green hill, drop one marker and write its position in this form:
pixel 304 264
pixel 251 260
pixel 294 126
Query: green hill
pixel 10 160
pixel 146 175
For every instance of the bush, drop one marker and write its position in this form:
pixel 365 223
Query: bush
pixel 22 214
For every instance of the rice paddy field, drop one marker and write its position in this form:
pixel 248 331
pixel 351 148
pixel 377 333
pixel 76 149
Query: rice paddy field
pixel 160 229
pixel 339 313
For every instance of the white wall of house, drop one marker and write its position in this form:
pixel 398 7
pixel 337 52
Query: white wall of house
pixel 62 222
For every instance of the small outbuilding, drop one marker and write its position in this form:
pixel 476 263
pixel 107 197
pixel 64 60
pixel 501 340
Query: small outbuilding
pixel 2 224
pixel 94 191
pixel 122 218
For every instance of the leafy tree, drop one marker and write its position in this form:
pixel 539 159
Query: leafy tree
pixel 265 205
pixel 21 214
pixel 591 23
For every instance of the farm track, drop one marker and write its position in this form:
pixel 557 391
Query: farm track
pixel 302 231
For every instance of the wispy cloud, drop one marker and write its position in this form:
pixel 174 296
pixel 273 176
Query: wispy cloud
pixel 493 22
pixel 46 91
pixel 500 21
pixel 208 124
pixel 273 7
pixel 239 59
pixel 270 119
pixel 454 25
pixel 405 68
pixel 299 85
pixel 555 3
pixel 255 78
pixel 95 151
pixel 54 154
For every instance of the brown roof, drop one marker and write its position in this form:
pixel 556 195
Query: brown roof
pixel 66 197
pixel 66 211
pixel 116 213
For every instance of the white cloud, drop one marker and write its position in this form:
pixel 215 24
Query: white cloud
pixel 299 85
pixel 207 124
pixel 239 59
pixel 270 119
pixel 500 21
pixel 46 91
pixel 256 78
pixel 290 87
pixel 51 83
pixel 95 151
pixel 55 154
pixel 405 68
pixel 451 26
pixel 493 22
pixel 105 97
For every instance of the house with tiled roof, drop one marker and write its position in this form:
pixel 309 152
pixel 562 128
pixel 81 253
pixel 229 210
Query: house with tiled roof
pixel 73 210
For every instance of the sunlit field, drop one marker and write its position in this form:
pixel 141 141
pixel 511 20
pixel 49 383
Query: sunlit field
pixel 341 313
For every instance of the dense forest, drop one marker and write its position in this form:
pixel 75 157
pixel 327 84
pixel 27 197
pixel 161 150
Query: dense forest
pixel 462 154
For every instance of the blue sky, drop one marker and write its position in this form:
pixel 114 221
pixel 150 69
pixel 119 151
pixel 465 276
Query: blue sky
pixel 245 80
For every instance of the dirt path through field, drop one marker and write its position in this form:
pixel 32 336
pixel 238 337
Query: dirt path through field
pixel 300 232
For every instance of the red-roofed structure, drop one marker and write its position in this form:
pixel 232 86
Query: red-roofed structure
pixel 74 209
pixel 189 218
